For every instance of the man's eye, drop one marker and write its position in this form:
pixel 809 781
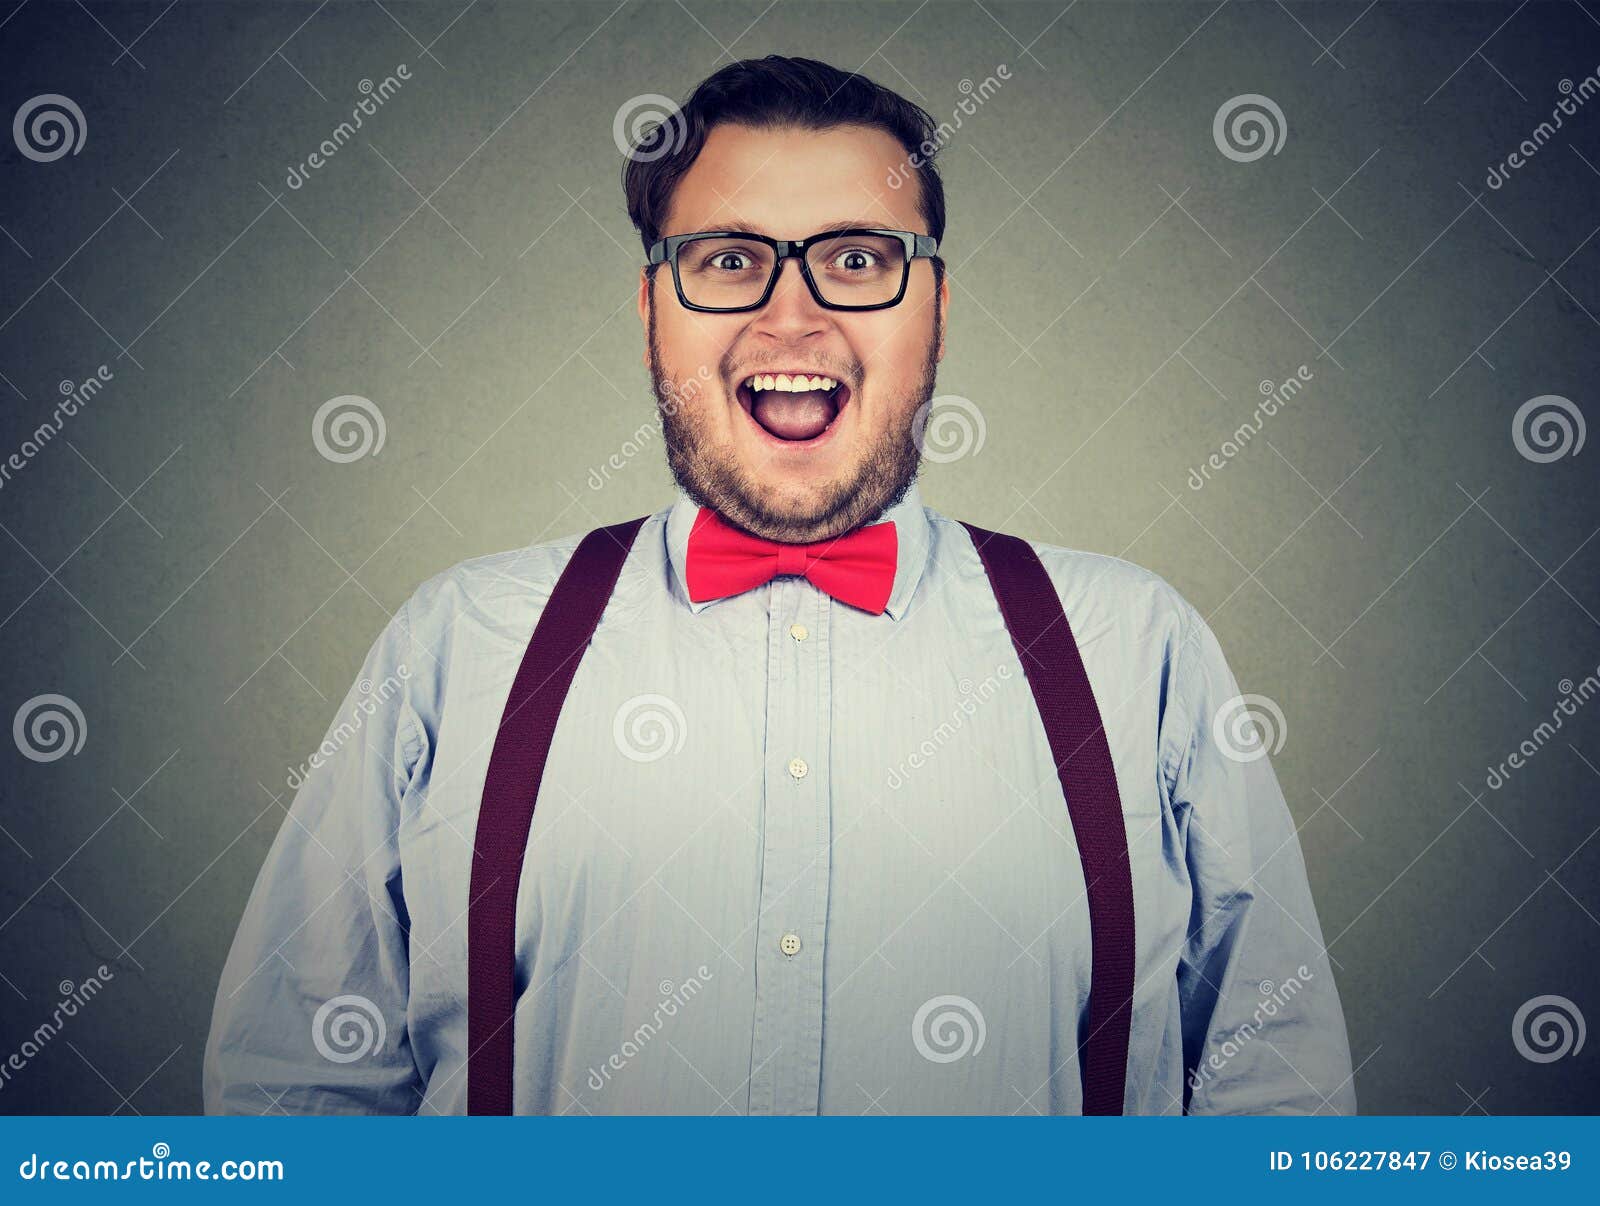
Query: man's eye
pixel 724 260
pixel 855 260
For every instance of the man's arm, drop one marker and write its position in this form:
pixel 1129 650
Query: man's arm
pixel 1263 1030
pixel 310 1014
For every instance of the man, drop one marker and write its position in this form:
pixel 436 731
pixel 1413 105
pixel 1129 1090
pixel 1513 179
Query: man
pixel 841 805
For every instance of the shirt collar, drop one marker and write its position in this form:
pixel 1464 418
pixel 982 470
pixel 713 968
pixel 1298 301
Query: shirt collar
pixel 912 533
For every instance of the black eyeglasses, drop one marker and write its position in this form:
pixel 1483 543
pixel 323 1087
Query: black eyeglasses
pixel 857 268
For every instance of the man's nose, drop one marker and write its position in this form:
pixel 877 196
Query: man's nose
pixel 791 310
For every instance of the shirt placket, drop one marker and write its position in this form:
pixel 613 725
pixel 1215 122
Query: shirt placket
pixel 791 928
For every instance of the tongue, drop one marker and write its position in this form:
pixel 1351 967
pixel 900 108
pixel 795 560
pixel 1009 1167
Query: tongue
pixel 794 416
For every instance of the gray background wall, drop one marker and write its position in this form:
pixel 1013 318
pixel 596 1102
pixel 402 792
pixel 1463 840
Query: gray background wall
pixel 1380 561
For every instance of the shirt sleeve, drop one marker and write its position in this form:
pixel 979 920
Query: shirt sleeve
pixel 1263 1030
pixel 310 1013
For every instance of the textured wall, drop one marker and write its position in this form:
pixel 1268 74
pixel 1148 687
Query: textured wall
pixel 1401 565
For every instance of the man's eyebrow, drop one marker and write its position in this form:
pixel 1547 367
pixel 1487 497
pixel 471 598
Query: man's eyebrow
pixel 739 226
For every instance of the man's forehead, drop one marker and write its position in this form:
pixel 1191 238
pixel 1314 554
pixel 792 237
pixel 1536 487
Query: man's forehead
pixel 790 182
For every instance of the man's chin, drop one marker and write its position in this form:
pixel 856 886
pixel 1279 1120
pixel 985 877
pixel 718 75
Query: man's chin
pixel 827 491
pixel 796 501
pixel 786 506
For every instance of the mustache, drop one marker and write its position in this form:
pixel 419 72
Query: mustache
pixel 850 375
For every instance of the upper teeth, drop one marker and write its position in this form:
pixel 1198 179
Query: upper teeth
pixel 797 384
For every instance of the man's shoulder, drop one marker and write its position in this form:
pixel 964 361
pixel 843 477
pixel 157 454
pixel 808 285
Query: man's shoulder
pixel 1113 583
pixel 527 575
pixel 1101 588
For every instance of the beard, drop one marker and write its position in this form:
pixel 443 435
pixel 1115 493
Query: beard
pixel 713 478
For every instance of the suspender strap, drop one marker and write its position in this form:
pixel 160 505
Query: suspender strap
pixel 509 792
pixel 1054 668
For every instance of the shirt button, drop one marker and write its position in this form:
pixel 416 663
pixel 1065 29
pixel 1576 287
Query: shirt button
pixel 799 631
pixel 789 944
pixel 797 767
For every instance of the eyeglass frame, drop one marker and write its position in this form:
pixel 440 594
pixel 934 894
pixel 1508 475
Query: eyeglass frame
pixel 916 246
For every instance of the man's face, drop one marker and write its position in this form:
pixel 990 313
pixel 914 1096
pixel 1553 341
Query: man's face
pixel 789 184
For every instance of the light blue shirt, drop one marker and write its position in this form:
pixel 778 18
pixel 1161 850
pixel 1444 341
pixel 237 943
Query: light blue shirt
pixel 788 857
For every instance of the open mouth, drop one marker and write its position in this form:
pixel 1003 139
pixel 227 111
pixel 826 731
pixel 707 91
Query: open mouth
pixel 796 408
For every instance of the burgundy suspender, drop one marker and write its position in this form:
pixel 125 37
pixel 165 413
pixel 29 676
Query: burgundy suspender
pixel 509 791
pixel 1054 668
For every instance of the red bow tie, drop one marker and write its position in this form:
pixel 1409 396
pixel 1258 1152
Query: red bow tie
pixel 857 568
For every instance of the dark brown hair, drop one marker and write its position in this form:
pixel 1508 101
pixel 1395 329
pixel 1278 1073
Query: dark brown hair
pixel 771 93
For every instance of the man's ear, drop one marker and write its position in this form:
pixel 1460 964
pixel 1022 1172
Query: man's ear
pixel 644 313
pixel 944 310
